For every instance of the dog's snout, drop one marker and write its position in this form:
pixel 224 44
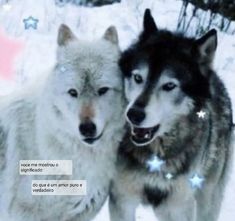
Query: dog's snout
pixel 88 129
pixel 136 115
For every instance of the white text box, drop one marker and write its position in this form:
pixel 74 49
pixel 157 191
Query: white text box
pixel 59 187
pixel 46 167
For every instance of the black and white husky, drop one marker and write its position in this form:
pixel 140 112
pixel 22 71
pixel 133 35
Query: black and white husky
pixel 177 151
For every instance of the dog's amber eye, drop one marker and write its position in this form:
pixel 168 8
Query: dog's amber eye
pixel 138 78
pixel 169 86
pixel 73 92
pixel 103 90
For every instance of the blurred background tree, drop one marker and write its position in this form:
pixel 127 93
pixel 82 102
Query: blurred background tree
pixel 88 2
pixel 195 17
pixel 98 2
pixel 207 13
pixel 224 7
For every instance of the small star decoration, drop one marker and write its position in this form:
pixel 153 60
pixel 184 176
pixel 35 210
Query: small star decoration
pixel 6 7
pixel 196 181
pixel 30 22
pixel 155 164
pixel 169 176
pixel 201 114
pixel 62 68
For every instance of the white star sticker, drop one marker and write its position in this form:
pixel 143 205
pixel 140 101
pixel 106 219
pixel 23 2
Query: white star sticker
pixel 6 7
pixel 196 181
pixel 201 114
pixel 155 164
pixel 169 176
pixel 63 68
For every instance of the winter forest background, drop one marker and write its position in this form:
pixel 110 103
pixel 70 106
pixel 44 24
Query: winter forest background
pixel 89 19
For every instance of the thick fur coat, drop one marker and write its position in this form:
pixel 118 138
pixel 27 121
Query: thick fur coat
pixel 44 123
pixel 177 152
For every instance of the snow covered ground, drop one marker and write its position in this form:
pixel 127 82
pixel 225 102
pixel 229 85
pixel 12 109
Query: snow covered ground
pixel 89 23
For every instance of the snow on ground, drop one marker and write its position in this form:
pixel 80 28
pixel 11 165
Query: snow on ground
pixel 89 23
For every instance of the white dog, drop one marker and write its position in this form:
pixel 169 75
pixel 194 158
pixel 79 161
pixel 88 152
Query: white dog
pixel 75 115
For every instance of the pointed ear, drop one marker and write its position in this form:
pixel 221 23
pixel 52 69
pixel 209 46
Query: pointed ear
pixel 111 35
pixel 65 35
pixel 149 23
pixel 206 46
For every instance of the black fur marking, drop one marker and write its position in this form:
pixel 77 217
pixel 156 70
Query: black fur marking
pixel 155 196
pixel 112 198
pixel 129 154
pixel 165 50
pixel 185 164
pixel 203 39
pixel 149 24
pixel 143 99
pixel 3 137
pixel 134 158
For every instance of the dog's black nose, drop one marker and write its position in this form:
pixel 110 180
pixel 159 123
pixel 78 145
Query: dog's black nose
pixel 88 129
pixel 136 115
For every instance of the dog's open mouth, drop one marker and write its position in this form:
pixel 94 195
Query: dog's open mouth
pixel 142 136
pixel 91 140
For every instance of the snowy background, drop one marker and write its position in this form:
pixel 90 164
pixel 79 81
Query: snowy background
pixel 38 54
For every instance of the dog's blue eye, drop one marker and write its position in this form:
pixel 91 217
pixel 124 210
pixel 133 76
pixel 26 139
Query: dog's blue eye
pixel 73 92
pixel 103 90
pixel 138 78
pixel 169 86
